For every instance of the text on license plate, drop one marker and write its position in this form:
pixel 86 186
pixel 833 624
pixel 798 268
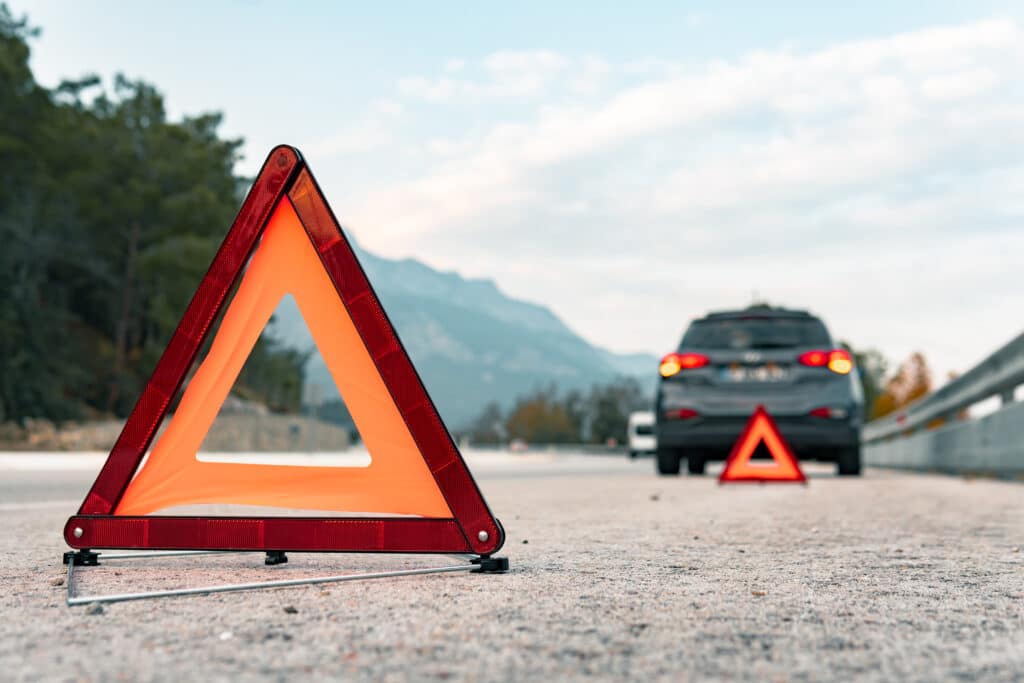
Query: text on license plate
pixel 755 373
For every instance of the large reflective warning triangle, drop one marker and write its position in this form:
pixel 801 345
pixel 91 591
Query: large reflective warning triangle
pixel 739 466
pixel 286 240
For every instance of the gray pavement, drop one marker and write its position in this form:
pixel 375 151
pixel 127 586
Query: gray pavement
pixel 617 574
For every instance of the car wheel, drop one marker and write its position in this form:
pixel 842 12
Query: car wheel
pixel 632 455
pixel 848 462
pixel 668 461
pixel 695 463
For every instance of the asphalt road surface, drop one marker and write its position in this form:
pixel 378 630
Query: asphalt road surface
pixel 617 574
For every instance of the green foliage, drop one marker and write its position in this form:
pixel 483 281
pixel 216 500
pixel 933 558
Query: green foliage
pixel 609 408
pixel 872 367
pixel 273 375
pixel 109 216
pixel 489 427
pixel 543 417
pixel 540 418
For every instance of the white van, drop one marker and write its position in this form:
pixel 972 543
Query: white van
pixel 640 432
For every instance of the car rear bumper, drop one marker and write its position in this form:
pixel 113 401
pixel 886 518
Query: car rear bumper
pixel 807 436
pixel 646 444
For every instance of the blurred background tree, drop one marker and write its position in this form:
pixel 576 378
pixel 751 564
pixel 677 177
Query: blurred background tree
pixel 872 367
pixel 489 427
pixel 109 216
pixel 609 408
pixel 912 381
pixel 543 416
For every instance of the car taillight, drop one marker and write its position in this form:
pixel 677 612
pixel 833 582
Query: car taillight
pixel 814 359
pixel 839 361
pixel 681 414
pixel 836 360
pixel 674 362
pixel 833 413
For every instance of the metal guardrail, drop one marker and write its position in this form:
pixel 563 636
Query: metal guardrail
pixel 998 375
pixel 991 444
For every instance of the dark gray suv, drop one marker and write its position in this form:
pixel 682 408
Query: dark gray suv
pixel 728 363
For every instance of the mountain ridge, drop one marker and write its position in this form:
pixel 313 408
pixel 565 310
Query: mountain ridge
pixel 470 342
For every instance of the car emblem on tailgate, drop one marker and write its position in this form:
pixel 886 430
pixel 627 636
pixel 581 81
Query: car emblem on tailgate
pixel 751 357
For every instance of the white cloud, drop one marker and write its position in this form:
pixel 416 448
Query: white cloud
pixel 960 84
pixel 454 65
pixel 388 107
pixel 503 75
pixel 876 181
pixel 875 124
pixel 368 135
pixel 591 76
pixel 533 61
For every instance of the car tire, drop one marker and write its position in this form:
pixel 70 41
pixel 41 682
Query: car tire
pixel 669 460
pixel 632 455
pixel 695 464
pixel 848 462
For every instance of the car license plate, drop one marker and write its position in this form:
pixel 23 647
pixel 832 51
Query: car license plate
pixel 754 373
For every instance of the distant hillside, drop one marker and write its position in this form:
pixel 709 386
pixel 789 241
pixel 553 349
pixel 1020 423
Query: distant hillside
pixel 470 343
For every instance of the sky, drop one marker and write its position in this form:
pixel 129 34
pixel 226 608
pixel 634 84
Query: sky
pixel 632 165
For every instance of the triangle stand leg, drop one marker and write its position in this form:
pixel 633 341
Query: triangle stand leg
pixel 476 565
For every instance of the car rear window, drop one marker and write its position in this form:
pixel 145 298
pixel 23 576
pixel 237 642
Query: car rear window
pixel 755 333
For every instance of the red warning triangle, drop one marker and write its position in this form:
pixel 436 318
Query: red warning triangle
pixel 761 428
pixel 284 241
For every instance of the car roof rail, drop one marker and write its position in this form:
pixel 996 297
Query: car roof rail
pixel 759 310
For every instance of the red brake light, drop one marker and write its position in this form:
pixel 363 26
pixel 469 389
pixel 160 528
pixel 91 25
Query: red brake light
pixel 832 412
pixel 815 359
pixel 674 362
pixel 681 414
pixel 690 361
pixel 836 360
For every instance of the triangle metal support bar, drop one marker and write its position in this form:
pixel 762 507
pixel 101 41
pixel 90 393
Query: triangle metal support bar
pixel 474 564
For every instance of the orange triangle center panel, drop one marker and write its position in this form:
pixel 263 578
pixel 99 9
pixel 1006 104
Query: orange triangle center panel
pixel 739 466
pixel 285 241
pixel 397 480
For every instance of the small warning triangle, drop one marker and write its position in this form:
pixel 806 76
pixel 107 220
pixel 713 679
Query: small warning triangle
pixel 286 241
pixel 761 428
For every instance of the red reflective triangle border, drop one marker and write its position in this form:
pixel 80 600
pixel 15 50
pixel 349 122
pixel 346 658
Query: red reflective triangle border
pixel 472 529
pixel 737 465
